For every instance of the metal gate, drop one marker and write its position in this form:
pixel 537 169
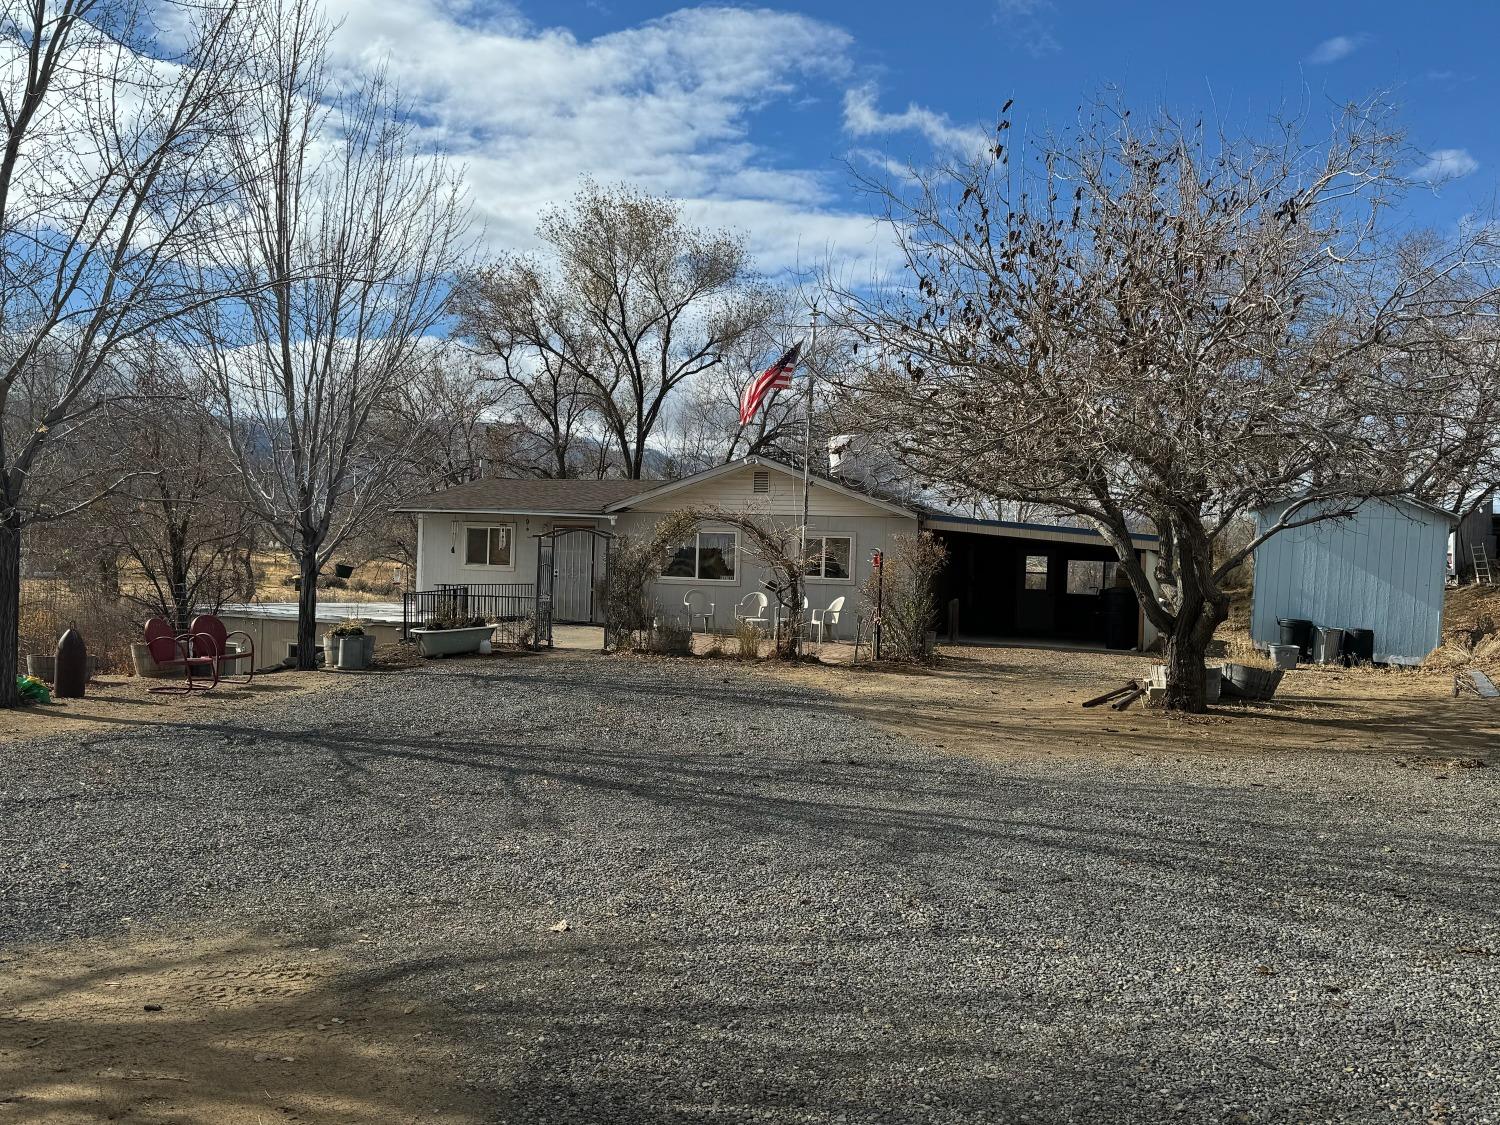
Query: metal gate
pixel 570 563
pixel 573 558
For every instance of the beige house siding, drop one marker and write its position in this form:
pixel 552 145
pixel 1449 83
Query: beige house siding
pixel 440 559
pixel 872 526
pixel 870 533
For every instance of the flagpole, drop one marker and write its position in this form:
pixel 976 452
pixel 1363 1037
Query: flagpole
pixel 812 346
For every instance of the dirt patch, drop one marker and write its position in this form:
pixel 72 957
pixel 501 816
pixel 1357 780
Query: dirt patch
pixel 1027 701
pixel 115 701
pixel 233 1030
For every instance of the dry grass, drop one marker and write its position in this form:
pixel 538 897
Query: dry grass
pixel 1001 703
pixel 371 582
pixel 51 605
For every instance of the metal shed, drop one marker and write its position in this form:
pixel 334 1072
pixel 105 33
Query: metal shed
pixel 1382 568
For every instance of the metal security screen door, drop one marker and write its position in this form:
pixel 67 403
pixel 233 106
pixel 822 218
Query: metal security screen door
pixel 573 559
pixel 568 562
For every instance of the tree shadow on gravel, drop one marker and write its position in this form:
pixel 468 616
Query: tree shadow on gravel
pixel 1112 829
pixel 231 1029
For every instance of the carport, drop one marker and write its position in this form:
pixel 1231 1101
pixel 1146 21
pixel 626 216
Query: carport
pixel 1039 582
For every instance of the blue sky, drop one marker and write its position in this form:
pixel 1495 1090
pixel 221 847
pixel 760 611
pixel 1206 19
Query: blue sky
pixel 749 112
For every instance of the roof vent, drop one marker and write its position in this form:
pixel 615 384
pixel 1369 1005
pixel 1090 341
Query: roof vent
pixel 762 481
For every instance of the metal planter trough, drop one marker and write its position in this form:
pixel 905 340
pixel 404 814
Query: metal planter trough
pixel 1244 682
pixel 451 642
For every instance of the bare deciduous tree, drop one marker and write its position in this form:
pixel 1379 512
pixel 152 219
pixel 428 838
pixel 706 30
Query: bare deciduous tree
pixel 112 165
pixel 179 524
pixel 347 238
pixel 1150 323
pixel 634 303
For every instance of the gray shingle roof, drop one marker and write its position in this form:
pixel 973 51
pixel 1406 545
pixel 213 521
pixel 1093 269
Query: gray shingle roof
pixel 528 494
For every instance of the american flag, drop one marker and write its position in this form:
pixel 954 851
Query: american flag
pixel 774 378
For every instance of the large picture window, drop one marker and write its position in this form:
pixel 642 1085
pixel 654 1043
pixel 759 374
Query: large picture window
pixel 1089 577
pixel 831 557
pixel 489 546
pixel 710 556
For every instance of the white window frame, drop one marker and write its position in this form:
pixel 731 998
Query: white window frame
pixel 493 568
pixel 735 581
pixel 853 558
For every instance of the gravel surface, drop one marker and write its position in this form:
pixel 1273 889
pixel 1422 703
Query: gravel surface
pixel 778 913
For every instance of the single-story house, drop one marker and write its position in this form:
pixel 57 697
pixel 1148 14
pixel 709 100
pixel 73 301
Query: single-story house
pixel 1383 568
pixel 1019 580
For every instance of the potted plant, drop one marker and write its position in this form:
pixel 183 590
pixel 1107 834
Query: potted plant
pixel 356 648
pixel 452 636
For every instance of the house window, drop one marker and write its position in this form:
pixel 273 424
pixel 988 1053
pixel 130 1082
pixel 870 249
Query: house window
pixel 488 546
pixel 708 557
pixel 1087 576
pixel 831 557
pixel 1036 572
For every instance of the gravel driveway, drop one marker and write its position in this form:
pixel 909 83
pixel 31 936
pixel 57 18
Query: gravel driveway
pixel 779 913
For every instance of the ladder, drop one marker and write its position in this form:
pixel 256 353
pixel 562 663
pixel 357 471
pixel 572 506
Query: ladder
pixel 1483 575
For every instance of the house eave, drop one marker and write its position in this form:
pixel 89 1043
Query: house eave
pixel 770 463
pixel 567 515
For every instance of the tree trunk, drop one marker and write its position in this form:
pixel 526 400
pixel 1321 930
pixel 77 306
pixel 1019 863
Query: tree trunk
pixel 10 611
pixel 1187 646
pixel 307 610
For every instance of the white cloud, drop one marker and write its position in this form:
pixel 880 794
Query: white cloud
pixel 667 105
pixel 1339 47
pixel 1030 23
pixel 862 118
pixel 1445 164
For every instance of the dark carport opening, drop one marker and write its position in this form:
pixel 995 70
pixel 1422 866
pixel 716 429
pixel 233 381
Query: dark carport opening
pixel 1014 588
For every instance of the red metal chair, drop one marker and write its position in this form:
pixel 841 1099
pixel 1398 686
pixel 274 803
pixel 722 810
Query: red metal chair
pixel 169 650
pixel 211 638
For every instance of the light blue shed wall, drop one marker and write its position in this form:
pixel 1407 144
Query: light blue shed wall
pixel 1382 569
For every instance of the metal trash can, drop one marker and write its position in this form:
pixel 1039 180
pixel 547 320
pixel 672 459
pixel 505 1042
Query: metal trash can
pixel 1283 656
pixel 1328 645
pixel 1359 646
pixel 1120 614
pixel 1296 631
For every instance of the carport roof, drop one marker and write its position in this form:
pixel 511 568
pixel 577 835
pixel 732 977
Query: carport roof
pixel 1054 533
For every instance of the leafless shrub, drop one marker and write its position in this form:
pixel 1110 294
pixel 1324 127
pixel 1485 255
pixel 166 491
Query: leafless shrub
pixel 748 638
pixel 635 563
pixel 908 579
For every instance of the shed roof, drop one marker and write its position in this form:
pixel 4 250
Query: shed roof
pixel 528 494
pixel 1420 506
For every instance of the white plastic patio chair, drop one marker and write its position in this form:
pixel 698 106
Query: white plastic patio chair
pixel 752 610
pixel 697 605
pixel 823 619
pixel 784 618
